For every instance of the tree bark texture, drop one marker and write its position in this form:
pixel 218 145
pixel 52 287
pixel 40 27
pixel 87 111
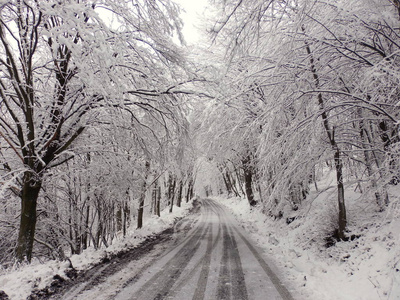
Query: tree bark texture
pixel 143 196
pixel 158 201
pixel 248 180
pixel 342 218
pixel 171 191
pixel 179 199
pixel 26 235
pixel 154 196
pixel 340 188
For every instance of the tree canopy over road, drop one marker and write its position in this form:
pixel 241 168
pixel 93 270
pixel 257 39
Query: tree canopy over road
pixel 104 118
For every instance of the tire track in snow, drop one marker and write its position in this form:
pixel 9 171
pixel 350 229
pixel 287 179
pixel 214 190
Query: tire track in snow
pixel 213 261
pixel 283 291
pixel 280 287
pixel 159 286
pixel 204 262
pixel 231 282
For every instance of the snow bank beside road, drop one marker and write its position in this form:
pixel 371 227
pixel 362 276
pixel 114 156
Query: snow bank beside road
pixel 152 225
pixel 366 268
pixel 21 281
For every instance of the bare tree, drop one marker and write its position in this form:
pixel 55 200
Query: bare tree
pixel 62 68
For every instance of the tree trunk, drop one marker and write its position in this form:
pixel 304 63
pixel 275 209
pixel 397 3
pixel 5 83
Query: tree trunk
pixel 126 219
pixel 99 231
pixel 239 181
pixel 228 188
pixel 382 198
pixel 248 180
pixel 341 204
pixel 225 179
pixel 331 137
pixel 171 192
pixel 154 198
pixel 158 213
pixel 179 199
pixel 143 196
pixel 171 204
pixel 119 216
pixel 85 233
pixel 189 192
pixel 232 185
pixel 368 160
pixel 71 237
pixel 76 228
pixel 30 193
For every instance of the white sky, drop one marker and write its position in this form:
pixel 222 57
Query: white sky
pixel 193 9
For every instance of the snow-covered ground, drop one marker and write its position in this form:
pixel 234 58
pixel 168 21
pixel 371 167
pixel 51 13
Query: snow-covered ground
pixel 366 268
pixel 19 282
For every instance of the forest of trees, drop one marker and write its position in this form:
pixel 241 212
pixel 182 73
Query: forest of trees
pixel 304 86
pixel 104 114
pixel 91 122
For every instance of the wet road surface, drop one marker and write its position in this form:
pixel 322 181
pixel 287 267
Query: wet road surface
pixel 215 260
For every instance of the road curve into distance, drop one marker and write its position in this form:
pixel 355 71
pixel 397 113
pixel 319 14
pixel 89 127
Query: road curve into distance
pixel 214 261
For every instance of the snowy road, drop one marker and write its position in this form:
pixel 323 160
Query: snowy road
pixel 215 261
pixel 212 260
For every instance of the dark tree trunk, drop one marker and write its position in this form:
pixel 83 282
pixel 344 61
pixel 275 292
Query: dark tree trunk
pixel 340 188
pixel 143 196
pixel 71 237
pixel 126 219
pixel 99 232
pixel 207 190
pixel 171 188
pixel 338 160
pixel 76 227
pixel 158 201
pixel 189 192
pixel 248 180
pixel 29 195
pixel 232 183
pixel 154 198
pixel 227 185
pixel 119 216
pixel 78 241
pixel 179 199
pixel 171 192
pixel 85 233
pixel 171 203
pixel 368 159
pixel 239 181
